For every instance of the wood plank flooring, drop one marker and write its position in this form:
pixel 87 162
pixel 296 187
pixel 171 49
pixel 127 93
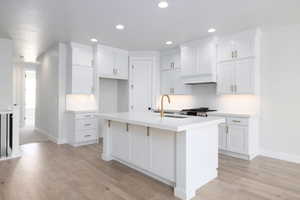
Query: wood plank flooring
pixel 60 172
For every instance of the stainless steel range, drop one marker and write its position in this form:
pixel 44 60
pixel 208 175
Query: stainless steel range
pixel 202 111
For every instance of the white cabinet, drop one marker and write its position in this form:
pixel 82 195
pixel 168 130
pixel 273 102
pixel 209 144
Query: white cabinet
pixel 147 148
pixel 162 148
pixel 171 81
pixel 237 46
pixel 82 80
pixel 236 77
pixel 238 137
pixel 80 71
pixel 238 63
pixel 81 128
pixel 223 136
pixel 112 62
pixel 198 61
pixel 140 152
pixel 120 141
pixel 236 140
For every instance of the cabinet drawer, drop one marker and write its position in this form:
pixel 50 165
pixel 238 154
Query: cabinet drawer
pixel 86 135
pixel 85 116
pixel 83 124
pixel 237 121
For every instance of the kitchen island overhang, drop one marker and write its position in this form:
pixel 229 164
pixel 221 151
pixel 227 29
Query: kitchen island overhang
pixel 180 152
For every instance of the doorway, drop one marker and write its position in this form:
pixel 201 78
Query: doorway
pixel 30 98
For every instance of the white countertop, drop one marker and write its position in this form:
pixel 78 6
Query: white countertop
pixel 153 120
pixel 231 114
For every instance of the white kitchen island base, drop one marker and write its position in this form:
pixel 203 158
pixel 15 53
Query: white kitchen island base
pixel 183 156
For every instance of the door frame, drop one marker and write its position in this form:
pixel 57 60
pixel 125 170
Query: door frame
pixel 152 88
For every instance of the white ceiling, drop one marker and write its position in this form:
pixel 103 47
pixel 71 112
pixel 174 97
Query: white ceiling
pixel 35 25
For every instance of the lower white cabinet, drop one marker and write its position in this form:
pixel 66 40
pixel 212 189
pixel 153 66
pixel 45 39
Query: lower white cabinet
pixel 120 141
pixel 238 137
pixel 146 148
pixel 81 128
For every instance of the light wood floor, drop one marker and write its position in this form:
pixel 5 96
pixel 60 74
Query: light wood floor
pixel 59 172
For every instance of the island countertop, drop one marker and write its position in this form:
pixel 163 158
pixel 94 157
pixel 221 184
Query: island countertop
pixel 153 120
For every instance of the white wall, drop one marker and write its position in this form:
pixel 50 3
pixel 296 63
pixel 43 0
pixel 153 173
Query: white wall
pixel 280 96
pixel 6 74
pixel 51 92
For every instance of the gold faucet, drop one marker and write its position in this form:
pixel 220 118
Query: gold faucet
pixel 162 104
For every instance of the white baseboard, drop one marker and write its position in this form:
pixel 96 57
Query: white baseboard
pixel 45 133
pixel 280 156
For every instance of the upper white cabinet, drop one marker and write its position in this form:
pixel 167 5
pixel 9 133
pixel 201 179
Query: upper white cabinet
pixel 80 69
pixel 170 74
pixel 112 62
pixel 238 63
pixel 198 61
pixel 237 46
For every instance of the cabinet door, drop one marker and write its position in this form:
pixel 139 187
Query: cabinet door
pixel 178 86
pixel 206 56
pixel 166 81
pixel 140 155
pixel 162 153
pixel 121 64
pixel 225 77
pixel 244 44
pixel 106 60
pixel 82 80
pixel 236 139
pixel 188 60
pixel 225 49
pixel 244 76
pixel 119 141
pixel 82 56
pixel 166 61
pixel 223 136
pixel 175 60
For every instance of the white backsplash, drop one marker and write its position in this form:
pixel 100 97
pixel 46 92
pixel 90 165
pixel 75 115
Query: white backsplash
pixel 81 102
pixel 205 96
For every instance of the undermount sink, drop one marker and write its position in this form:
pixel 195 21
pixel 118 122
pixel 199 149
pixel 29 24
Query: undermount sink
pixel 175 116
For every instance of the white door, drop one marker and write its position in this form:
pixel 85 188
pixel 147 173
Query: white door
pixel 141 85
pixel 223 136
pixel 244 76
pixel 237 139
pixel 162 156
pixel 82 80
pixel 122 64
pixel 225 78
pixel 106 61
pixel 119 141
pixel 140 155
pixel 225 49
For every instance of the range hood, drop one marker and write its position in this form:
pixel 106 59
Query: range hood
pixel 197 79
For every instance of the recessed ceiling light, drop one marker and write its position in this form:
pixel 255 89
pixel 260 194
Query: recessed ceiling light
pixel 163 4
pixel 120 27
pixel 169 42
pixel 211 30
pixel 93 40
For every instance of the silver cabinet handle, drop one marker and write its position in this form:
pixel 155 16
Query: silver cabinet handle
pixel 87 136
pixel 87 116
pixel 237 121
pixel 87 124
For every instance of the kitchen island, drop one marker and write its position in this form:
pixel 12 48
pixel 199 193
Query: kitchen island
pixel 181 151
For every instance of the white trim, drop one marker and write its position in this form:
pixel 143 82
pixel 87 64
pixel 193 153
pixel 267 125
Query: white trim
pixel 280 156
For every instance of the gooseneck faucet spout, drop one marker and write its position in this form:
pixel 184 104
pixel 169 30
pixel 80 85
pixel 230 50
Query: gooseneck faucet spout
pixel 162 112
